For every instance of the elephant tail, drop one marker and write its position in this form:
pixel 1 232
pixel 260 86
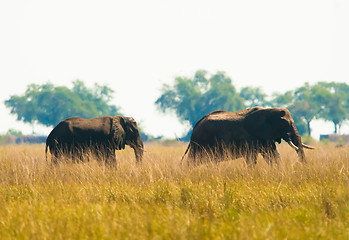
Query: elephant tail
pixel 186 151
pixel 46 151
pixel 48 145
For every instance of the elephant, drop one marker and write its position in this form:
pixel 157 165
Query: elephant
pixel 74 137
pixel 245 133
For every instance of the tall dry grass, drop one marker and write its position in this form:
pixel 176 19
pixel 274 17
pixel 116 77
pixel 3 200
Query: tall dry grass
pixel 162 199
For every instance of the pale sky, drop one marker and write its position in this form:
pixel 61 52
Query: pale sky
pixel 136 46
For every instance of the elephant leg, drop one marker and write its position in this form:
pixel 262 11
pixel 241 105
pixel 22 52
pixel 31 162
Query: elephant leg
pixel 76 154
pixel 83 153
pixel 199 154
pixel 251 158
pixel 73 155
pixel 113 159
pixel 271 154
pixel 221 152
pixel 275 156
pixel 54 157
pixel 193 155
pixel 110 158
pixel 249 151
pixel 82 156
pixel 198 158
pixel 193 158
pixel 236 151
pixel 98 152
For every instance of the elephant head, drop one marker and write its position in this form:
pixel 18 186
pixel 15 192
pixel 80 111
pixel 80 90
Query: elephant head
pixel 274 124
pixel 125 131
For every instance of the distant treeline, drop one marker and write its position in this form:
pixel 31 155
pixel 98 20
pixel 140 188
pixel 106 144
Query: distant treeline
pixel 189 98
pixel 12 139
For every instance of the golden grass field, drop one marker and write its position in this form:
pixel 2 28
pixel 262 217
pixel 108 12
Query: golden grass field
pixel 160 199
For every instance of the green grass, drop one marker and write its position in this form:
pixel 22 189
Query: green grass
pixel 162 200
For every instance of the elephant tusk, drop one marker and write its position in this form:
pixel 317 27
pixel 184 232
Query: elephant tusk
pixel 292 145
pixel 308 147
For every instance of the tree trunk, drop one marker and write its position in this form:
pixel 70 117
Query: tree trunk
pixel 308 127
pixel 339 128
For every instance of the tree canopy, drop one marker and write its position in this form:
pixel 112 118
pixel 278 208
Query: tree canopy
pixel 324 100
pixel 48 104
pixel 253 97
pixel 335 99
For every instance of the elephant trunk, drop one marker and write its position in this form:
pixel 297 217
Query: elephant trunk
pixel 297 141
pixel 138 154
pixel 138 148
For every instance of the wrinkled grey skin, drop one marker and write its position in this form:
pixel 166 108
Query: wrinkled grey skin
pixel 101 136
pixel 245 133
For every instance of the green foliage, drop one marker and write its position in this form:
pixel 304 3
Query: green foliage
pixel 192 98
pixel 328 101
pixel 14 132
pixel 302 127
pixel 253 97
pixel 308 140
pixel 49 104
pixel 336 103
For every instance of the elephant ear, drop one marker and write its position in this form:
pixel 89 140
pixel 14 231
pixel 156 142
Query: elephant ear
pixel 258 125
pixel 118 132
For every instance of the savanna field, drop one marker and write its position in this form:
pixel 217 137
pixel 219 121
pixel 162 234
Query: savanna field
pixel 160 199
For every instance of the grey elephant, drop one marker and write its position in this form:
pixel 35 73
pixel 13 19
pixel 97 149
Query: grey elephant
pixel 245 133
pixel 74 137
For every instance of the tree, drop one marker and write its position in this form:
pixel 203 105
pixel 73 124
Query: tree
pixel 336 103
pixel 281 100
pixel 14 132
pixel 48 104
pixel 192 98
pixel 253 97
pixel 307 103
pixel 325 100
